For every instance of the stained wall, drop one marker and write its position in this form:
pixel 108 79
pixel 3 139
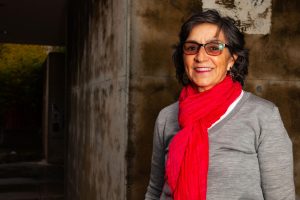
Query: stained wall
pixel 97 100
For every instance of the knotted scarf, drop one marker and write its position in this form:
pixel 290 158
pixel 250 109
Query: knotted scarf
pixel 188 157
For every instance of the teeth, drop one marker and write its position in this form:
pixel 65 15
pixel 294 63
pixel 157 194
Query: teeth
pixel 202 69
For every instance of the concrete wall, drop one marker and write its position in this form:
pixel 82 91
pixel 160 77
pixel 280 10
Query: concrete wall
pixel 97 99
pixel 122 75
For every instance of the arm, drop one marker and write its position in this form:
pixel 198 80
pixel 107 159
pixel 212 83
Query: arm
pixel 156 182
pixel 275 158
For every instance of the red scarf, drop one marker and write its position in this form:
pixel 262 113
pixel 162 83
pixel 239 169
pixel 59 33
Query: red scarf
pixel 187 164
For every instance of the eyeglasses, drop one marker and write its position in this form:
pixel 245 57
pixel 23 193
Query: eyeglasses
pixel 211 48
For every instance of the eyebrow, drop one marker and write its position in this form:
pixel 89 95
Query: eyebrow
pixel 208 41
pixel 214 40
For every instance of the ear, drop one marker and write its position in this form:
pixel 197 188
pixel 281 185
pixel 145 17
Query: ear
pixel 231 61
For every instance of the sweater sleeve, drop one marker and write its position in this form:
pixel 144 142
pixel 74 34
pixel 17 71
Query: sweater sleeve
pixel 275 158
pixel 156 182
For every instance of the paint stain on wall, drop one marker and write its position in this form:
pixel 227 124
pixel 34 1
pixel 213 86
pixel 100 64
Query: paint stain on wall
pixel 252 16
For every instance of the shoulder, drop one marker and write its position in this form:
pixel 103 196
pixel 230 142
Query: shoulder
pixel 255 101
pixel 261 117
pixel 261 112
pixel 169 113
pixel 167 123
pixel 258 106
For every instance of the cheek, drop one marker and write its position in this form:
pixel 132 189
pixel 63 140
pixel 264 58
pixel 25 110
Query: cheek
pixel 221 63
pixel 188 61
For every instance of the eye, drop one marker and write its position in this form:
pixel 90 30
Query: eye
pixel 191 47
pixel 213 47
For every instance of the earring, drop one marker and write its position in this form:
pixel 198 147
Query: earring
pixel 230 73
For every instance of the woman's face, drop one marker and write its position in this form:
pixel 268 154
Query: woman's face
pixel 203 70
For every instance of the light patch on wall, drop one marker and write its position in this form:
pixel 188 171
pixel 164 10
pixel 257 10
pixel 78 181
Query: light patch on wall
pixel 252 16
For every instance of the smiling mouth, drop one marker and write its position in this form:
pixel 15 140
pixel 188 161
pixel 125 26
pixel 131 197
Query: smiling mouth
pixel 202 69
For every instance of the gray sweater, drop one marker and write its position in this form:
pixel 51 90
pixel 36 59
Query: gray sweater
pixel 250 154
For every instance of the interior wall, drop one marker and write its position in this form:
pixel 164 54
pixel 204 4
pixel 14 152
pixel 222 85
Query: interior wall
pixel 97 99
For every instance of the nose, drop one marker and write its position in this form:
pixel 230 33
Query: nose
pixel 201 55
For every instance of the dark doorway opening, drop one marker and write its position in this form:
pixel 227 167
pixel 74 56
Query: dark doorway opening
pixel 21 93
pixel 31 156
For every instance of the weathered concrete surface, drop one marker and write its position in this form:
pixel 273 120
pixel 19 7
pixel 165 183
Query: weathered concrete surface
pixel 252 17
pixel 97 132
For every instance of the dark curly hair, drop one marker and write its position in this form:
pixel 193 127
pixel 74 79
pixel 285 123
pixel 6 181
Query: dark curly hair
pixel 235 39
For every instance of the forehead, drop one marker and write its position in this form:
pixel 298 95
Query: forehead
pixel 205 32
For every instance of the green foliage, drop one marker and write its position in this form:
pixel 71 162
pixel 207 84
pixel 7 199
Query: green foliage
pixel 21 75
pixel 20 56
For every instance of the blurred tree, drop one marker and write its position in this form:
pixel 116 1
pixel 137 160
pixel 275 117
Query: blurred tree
pixel 21 76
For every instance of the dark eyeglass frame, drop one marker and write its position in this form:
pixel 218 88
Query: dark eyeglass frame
pixel 206 46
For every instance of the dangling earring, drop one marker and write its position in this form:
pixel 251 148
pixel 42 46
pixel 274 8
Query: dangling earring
pixel 230 73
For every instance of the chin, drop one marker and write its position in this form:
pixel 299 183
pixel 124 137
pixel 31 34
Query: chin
pixel 202 83
pixel 202 87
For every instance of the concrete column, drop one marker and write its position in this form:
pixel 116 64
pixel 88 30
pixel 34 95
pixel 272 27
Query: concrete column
pixel 54 108
pixel 98 100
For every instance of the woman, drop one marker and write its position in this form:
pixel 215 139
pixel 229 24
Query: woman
pixel 218 142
